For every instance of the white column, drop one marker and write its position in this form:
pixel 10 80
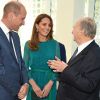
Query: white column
pixel 67 13
pixel 64 23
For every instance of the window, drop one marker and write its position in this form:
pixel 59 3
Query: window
pixel 97 19
pixel 95 5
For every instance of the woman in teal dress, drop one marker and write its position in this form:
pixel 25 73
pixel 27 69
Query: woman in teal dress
pixel 38 50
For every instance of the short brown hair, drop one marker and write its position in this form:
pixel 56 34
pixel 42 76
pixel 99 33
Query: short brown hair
pixel 12 6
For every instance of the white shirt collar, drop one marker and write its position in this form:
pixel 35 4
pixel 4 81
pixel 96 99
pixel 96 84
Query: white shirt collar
pixel 4 28
pixel 84 45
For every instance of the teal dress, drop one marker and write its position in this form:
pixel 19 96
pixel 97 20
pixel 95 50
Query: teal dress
pixel 38 69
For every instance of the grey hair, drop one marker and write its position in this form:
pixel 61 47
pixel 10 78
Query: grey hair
pixel 88 25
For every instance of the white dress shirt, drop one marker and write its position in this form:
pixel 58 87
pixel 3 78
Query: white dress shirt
pixel 83 46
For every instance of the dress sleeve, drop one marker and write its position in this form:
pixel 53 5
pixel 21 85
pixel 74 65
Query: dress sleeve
pixel 26 58
pixel 54 75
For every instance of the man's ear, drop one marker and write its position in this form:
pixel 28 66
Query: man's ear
pixel 82 31
pixel 10 16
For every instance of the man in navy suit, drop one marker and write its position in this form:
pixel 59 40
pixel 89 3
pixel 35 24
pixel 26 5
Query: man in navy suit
pixel 80 77
pixel 13 73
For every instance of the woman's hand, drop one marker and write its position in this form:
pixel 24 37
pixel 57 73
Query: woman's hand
pixel 47 89
pixel 36 88
pixel 37 91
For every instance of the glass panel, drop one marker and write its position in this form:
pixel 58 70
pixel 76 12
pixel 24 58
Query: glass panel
pixel 97 19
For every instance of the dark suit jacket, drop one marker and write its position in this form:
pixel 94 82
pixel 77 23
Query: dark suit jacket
pixel 62 52
pixel 81 80
pixel 13 73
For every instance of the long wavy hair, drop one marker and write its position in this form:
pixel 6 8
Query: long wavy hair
pixel 33 42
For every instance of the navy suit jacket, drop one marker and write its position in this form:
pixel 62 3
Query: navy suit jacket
pixel 62 52
pixel 81 80
pixel 13 72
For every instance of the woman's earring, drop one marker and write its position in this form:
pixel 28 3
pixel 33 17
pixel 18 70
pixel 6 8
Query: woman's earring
pixel 37 30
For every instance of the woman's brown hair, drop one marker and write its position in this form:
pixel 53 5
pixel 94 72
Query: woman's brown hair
pixel 33 43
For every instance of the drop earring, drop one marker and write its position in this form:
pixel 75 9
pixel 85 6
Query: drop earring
pixel 37 30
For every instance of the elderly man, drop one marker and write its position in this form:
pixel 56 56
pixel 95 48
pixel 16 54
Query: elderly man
pixel 80 77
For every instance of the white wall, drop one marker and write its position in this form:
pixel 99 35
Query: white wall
pixel 67 13
pixel 64 23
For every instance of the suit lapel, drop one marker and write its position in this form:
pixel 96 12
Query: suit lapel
pixel 4 38
pixel 81 54
pixel 76 59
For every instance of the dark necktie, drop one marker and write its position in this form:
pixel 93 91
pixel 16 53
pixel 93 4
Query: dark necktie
pixel 10 41
pixel 74 54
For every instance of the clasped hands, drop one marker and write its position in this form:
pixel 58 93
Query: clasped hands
pixel 57 65
pixel 42 93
